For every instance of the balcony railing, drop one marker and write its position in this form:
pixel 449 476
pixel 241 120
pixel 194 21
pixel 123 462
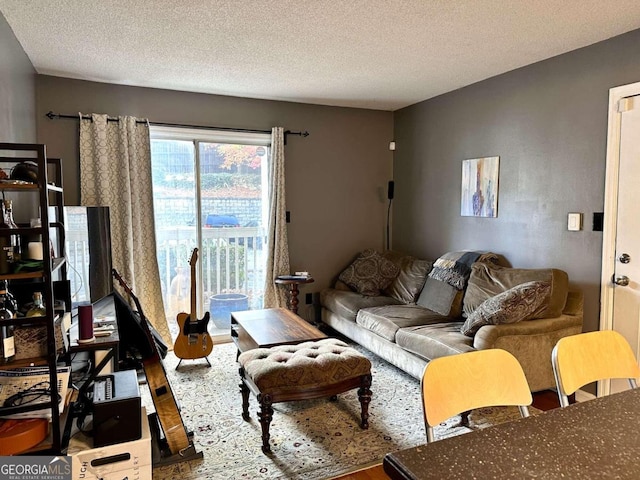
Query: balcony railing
pixel 232 260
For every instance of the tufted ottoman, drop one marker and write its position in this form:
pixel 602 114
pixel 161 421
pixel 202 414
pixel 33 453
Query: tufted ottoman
pixel 284 373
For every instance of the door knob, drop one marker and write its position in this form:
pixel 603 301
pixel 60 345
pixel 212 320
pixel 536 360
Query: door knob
pixel 622 280
pixel 624 258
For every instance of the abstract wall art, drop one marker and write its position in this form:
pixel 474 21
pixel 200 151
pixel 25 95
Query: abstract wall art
pixel 479 197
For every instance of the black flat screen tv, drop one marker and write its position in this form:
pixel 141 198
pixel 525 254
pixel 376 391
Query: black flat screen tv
pixel 88 252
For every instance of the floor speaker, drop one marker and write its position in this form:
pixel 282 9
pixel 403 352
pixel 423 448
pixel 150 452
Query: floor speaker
pixel 116 408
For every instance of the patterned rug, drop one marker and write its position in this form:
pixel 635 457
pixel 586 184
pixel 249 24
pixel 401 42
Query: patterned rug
pixel 312 439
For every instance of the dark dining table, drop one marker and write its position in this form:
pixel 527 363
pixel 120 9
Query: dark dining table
pixel 596 439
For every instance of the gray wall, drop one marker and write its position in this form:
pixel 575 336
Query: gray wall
pixel 336 177
pixel 548 124
pixel 17 90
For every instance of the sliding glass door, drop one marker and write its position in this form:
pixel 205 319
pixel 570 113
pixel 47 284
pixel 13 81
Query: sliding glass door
pixel 210 194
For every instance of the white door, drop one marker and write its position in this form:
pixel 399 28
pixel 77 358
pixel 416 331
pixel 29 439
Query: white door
pixel 626 299
pixel 621 277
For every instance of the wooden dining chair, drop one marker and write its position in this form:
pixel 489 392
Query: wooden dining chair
pixel 459 383
pixel 588 357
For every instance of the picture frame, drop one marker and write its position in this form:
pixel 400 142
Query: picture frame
pixel 479 192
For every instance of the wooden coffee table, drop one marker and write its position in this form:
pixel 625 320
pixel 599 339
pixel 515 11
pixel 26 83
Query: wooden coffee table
pixel 270 327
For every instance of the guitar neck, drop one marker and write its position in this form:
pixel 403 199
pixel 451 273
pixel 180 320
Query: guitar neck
pixel 143 319
pixel 194 313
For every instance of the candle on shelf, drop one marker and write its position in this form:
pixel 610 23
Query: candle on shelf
pixel 85 323
pixel 34 251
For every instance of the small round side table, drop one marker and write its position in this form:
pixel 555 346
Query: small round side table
pixel 293 281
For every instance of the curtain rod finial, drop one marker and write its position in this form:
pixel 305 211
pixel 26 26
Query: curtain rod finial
pixel 50 115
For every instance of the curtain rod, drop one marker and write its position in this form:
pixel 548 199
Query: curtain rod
pixel 52 116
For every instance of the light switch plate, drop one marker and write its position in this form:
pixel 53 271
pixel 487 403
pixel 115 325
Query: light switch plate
pixel 575 222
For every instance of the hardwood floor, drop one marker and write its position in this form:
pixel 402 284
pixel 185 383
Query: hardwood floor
pixel 375 472
pixel 546 400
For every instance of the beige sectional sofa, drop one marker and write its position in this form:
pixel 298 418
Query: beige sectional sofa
pixel 419 315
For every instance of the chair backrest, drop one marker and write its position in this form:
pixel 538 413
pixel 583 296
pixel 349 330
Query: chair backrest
pixel 588 357
pixel 458 383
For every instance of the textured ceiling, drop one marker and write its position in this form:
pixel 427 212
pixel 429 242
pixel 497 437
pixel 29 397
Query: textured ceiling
pixel 380 54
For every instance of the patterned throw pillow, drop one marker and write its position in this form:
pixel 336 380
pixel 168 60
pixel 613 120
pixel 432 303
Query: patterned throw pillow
pixel 369 273
pixel 511 306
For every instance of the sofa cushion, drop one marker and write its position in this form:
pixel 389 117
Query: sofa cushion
pixel 348 303
pixel 413 272
pixel 433 341
pixel 369 273
pixel 511 306
pixel 385 321
pixel 441 298
pixel 488 280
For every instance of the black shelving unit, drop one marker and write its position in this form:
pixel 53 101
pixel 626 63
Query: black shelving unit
pixel 47 193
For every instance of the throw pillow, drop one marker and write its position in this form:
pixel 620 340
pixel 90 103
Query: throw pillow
pixel 446 283
pixel 511 306
pixel 409 282
pixel 488 280
pixel 442 298
pixel 369 273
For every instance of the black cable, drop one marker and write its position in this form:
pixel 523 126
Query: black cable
pixel 31 395
pixel 388 217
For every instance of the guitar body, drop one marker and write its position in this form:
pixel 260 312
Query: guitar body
pixel 16 436
pixel 193 340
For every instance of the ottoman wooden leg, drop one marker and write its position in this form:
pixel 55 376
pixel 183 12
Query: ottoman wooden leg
pixel 364 395
pixel 244 390
pixel 265 415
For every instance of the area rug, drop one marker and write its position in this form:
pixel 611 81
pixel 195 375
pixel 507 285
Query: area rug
pixel 313 439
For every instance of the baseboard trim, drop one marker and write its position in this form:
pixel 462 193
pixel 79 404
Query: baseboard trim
pixel 582 396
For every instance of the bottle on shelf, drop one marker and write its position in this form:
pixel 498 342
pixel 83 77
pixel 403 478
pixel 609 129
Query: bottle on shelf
pixel 37 310
pixel 10 300
pixel 15 239
pixel 7 343
pixel 11 249
pixel 5 243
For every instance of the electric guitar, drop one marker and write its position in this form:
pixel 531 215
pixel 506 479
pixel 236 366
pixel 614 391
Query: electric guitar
pixel 193 341
pixel 163 398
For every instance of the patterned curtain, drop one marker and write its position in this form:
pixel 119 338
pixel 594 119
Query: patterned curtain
pixel 278 255
pixel 115 171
